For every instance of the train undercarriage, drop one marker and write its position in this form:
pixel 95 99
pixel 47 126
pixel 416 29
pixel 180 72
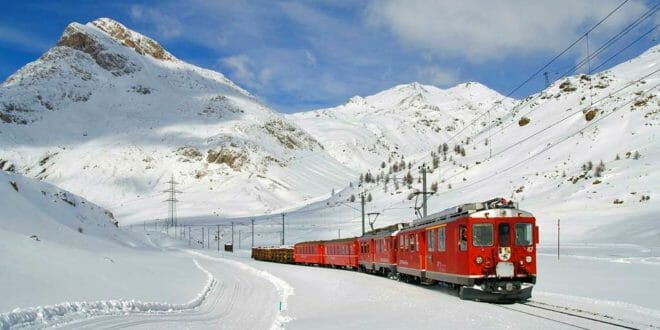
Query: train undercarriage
pixel 498 291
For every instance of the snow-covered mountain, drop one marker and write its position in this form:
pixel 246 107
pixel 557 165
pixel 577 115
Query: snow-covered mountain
pixel 407 120
pixel 585 150
pixel 110 115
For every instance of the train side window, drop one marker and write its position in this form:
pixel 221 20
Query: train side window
pixel 441 239
pixel 462 237
pixel 482 234
pixel 430 239
pixel 503 234
pixel 405 242
pixel 523 234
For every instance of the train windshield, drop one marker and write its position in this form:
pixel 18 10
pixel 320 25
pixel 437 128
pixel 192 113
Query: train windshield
pixel 524 234
pixel 482 234
pixel 503 234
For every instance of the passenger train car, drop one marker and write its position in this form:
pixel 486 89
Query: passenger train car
pixel 486 250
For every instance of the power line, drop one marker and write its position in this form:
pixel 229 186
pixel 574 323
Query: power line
pixel 626 47
pixel 610 95
pixel 542 68
pixel 553 145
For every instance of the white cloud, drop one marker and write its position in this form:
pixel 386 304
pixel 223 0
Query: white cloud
pixel 23 40
pixel 251 73
pixel 167 26
pixel 484 30
pixel 311 59
pixel 437 76
pixel 241 67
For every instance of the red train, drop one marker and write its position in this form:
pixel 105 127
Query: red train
pixel 487 250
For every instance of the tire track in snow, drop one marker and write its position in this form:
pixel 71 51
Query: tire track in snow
pixel 71 311
pixel 284 290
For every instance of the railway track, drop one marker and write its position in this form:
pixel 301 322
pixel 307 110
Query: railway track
pixel 574 317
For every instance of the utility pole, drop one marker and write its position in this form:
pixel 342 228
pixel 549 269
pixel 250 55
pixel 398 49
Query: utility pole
pixel 218 237
pixel 591 94
pixel 339 232
pixel 362 202
pixel 189 239
pixel 232 234
pixel 547 81
pixel 172 201
pixel 424 210
pixel 490 124
pixel 283 228
pixel 240 233
pixel 558 221
pixel 252 232
pixel 202 237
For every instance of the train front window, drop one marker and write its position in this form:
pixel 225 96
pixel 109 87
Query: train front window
pixel 482 234
pixel 504 234
pixel 523 234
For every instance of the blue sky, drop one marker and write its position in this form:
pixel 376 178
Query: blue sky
pixel 303 55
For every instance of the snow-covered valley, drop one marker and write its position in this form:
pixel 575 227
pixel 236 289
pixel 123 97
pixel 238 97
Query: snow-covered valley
pixel 91 132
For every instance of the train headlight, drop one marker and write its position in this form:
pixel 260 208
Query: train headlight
pixel 528 259
pixel 479 260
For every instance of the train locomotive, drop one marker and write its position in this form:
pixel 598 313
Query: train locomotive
pixel 486 250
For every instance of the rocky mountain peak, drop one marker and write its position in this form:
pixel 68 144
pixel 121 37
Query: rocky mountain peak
pixel 85 39
pixel 131 39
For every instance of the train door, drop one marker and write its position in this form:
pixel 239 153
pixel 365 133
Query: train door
pixel 504 241
pixel 459 264
pixel 421 248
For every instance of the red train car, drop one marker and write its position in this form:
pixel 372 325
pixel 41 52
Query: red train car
pixel 309 253
pixel 487 249
pixel 341 253
pixel 378 251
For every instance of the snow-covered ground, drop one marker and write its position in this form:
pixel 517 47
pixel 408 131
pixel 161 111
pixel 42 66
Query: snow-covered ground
pixel 64 262
pixel 137 277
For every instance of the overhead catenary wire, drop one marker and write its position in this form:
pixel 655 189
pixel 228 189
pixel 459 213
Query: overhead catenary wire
pixel 553 145
pixel 542 68
pixel 579 110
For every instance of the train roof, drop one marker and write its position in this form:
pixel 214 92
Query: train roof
pixel 336 240
pixel 476 209
pixel 385 231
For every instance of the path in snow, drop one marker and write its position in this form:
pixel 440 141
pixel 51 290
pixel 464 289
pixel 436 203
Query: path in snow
pixel 241 298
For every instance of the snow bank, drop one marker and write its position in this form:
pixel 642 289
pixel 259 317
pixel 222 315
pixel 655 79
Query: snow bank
pixel 45 315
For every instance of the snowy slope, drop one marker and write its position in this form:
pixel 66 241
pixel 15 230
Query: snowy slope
pixel 407 120
pixel 110 115
pixel 542 161
pixel 58 247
